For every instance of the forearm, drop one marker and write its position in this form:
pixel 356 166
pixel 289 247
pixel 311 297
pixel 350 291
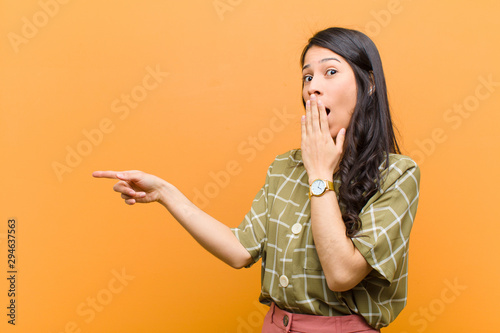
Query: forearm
pixel 342 263
pixel 214 236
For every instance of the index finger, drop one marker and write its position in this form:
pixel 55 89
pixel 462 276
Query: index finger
pixel 106 174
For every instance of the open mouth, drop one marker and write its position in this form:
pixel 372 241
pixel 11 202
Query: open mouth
pixel 327 111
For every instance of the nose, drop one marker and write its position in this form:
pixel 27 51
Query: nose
pixel 315 87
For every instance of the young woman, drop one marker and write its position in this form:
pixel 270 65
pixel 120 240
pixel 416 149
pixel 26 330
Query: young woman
pixel 333 219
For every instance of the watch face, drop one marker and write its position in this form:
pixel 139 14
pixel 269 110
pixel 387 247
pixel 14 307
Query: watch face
pixel 318 187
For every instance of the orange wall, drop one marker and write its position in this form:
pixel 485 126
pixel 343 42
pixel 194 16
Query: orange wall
pixel 225 100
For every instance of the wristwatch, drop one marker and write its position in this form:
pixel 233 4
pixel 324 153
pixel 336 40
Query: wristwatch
pixel 319 187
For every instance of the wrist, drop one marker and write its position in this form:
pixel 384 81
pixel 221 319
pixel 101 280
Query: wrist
pixel 323 175
pixel 165 191
pixel 319 187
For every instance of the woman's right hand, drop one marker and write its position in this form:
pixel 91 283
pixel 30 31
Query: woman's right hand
pixel 135 186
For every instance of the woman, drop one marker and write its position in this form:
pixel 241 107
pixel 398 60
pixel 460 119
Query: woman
pixel 332 222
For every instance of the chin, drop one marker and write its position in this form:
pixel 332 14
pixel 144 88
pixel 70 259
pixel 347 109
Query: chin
pixel 334 134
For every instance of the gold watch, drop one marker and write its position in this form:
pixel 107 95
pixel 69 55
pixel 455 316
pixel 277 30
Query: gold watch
pixel 319 187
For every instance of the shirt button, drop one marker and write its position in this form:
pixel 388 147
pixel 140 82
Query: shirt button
pixel 285 320
pixel 296 228
pixel 283 281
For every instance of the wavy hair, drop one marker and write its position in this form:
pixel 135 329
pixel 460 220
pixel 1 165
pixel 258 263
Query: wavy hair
pixel 370 135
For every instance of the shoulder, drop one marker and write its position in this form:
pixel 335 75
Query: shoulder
pixel 398 161
pixel 286 167
pixel 396 200
pixel 291 156
pixel 284 161
pixel 400 168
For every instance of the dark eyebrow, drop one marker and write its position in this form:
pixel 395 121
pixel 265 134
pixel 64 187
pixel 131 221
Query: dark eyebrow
pixel 322 60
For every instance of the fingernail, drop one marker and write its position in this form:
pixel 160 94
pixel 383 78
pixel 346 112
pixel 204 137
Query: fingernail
pixel 313 96
pixel 119 175
pixel 320 102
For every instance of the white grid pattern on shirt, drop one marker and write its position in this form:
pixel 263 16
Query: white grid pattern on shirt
pixel 383 240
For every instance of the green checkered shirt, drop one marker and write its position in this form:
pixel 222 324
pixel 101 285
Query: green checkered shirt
pixel 278 229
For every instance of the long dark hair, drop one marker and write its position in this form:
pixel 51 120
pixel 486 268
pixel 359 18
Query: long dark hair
pixel 370 136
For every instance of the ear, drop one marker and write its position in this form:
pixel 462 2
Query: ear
pixel 372 86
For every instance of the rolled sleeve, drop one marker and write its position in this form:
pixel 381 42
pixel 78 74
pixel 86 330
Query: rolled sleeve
pixel 387 220
pixel 252 231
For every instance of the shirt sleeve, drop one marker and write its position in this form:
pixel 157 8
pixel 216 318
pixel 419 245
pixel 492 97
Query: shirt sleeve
pixel 387 219
pixel 252 231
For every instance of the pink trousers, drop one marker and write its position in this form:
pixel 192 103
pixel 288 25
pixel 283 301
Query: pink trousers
pixel 280 321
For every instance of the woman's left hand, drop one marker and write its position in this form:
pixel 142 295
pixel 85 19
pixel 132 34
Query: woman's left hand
pixel 320 153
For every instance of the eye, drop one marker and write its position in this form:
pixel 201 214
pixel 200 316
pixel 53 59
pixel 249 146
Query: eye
pixel 307 78
pixel 331 71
